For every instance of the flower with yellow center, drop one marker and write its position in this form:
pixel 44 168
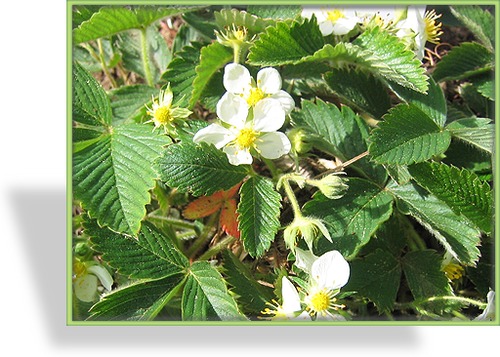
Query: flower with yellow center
pixel 327 275
pixel 421 26
pixel 291 308
pixel 86 278
pixel 238 82
pixel 451 268
pixel 164 113
pixel 332 20
pixel 239 135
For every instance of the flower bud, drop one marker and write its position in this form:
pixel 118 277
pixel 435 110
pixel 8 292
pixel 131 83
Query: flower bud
pixel 307 228
pixel 299 140
pixel 332 186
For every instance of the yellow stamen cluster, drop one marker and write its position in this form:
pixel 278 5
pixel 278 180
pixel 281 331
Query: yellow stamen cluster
pixel 335 15
pixel 453 271
pixel 432 27
pixel 246 138
pixel 321 301
pixel 255 95
pixel 163 115
pixel 79 269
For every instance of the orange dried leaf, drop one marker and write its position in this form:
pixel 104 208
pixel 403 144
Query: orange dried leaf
pixel 229 218
pixel 204 206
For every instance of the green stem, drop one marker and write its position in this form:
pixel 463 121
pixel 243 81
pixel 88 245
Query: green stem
pixel 458 298
pixel 217 248
pixel 104 65
pixel 236 53
pixel 145 57
pixel 174 221
pixel 203 238
pixel 293 200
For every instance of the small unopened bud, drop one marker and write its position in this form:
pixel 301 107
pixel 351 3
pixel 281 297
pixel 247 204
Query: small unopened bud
pixel 332 186
pixel 307 228
pixel 299 139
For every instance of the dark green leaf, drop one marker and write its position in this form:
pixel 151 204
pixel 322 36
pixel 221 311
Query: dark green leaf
pixel 141 301
pixel 258 211
pixel 151 255
pixel 128 102
pixel 420 140
pixel 461 190
pixel 480 21
pixel 206 297
pixel 376 277
pixel 352 219
pixel 200 169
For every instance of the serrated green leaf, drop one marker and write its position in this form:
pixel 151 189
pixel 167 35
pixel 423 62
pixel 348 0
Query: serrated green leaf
pixel 141 301
pixel 158 54
pixel 114 19
pixel 181 72
pixel 423 273
pixel 200 169
pixel 89 99
pixel 464 61
pixel 376 277
pixel 258 211
pixel 388 55
pixel 151 255
pixel 461 190
pixel 206 297
pixel 457 235
pixel 352 219
pixel 391 236
pixel 479 132
pixel 112 176
pixel 433 103
pixel 286 44
pixel 338 132
pixel 281 12
pixel 407 135
pixel 127 102
pixel 480 21
pixel 250 295
pixel 81 13
pixel 360 89
pixel 483 275
pixel 212 58
pixel 485 84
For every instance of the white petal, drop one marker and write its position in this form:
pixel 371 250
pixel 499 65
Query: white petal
pixel 304 260
pixel 86 287
pixel 237 156
pixel 268 115
pixel 273 145
pixel 286 100
pixel 269 80
pixel 291 299
pixel 214 134
pixel 103 275
pixel 326 28
pixel 237 78
pixel 321 15
pixel 343 26
pixel 330 271
pixel 232 109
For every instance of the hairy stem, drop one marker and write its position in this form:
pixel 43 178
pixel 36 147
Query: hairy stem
pixel 145 57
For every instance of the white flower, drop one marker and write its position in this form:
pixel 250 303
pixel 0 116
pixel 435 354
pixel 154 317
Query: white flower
pixel 421 26
pixel 333 20
pixel 328 274
pixel 85 280
pixel 291 308
pixel 489 312
pixel 243 135
pixel 238 82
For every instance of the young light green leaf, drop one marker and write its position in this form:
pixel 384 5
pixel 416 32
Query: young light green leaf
pixel 206 297
pixel 114 19
pixel 464 61
pixel 127 102
pixel 360 89
pixel 212 58
pixel 433 103
pixel 158 55
pixel 200 169
pixel 458 236
pixel 151 255
pixel 141 301
pixel 461 190
pixel 112 177
pixel 381 285
pixel 286 44
pixel 258 211
pixel 282 12
pixel 338 132
pixel 250 295
pixel 480 21
pixel 352 219
pixel 479 132
pixel 423 273
pixel 420 140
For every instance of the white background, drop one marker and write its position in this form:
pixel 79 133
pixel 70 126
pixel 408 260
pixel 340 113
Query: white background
pixel 33 239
